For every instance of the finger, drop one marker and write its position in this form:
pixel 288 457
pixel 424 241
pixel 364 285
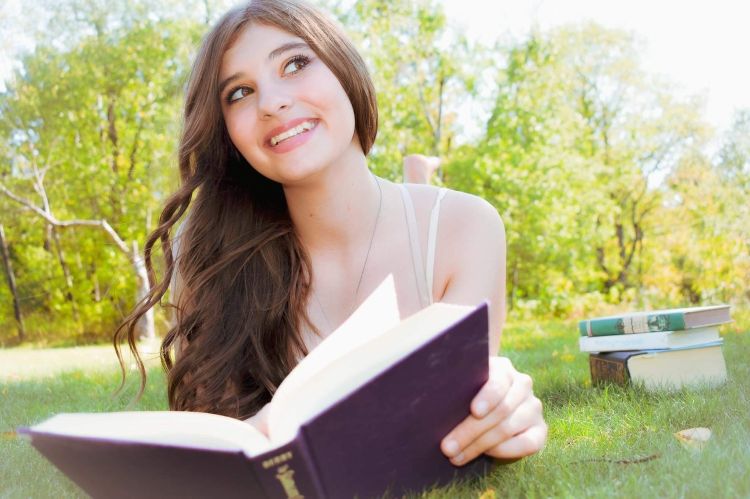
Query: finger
pixel 524 417
pixel 466 432
pixel 494 390
pixel 504 402
pixel 524 444
pixel 520 390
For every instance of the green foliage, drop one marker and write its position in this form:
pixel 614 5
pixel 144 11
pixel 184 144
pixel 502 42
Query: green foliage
pixel 107 111
pixel 422 73
pixel 577 156
pixel 605 182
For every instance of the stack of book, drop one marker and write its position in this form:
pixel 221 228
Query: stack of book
pixel 660 349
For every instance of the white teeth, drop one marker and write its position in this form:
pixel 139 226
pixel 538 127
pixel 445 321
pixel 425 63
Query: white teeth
pixel 302 127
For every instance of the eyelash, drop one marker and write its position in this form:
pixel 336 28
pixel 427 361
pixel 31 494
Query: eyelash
pixel 300 60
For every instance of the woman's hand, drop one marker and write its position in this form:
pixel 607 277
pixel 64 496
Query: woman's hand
pixel 506 419
pixel 260 420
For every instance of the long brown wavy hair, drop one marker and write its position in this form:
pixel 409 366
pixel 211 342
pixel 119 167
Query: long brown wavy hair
pixel 245 276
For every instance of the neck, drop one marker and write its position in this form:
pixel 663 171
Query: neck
pixel 337 208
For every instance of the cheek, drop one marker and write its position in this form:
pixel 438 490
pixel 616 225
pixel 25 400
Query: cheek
pixel 333 100
pixel 344 111
pixel 240 127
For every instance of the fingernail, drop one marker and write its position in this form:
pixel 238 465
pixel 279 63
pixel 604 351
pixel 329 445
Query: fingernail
pixel 451 447
pixel 458 459
pixel 481 408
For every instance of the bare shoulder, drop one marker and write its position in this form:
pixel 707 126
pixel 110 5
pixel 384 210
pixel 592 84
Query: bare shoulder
pixel 470 260
pixel 471 214
pixel 460 214
pixel 469 226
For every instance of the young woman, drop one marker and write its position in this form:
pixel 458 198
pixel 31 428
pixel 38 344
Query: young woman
pixel 287 231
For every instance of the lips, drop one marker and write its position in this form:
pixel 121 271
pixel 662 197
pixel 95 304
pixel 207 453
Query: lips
pixel 288 131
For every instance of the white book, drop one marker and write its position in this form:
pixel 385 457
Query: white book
pixel 649 341
pixel 658 370
pixel 673 369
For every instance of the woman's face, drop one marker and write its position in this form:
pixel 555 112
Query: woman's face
pixel 285 111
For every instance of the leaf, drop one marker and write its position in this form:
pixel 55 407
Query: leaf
pixel 693 438
pixel 488 494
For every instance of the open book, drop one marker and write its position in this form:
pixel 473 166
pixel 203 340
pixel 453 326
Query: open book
pixel 363 414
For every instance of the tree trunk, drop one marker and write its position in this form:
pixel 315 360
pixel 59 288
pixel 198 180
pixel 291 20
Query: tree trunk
pixel 146 328
pixel 146 325
pixel 12 284
pixel 68 277
pixel 96 292
pixel 513 286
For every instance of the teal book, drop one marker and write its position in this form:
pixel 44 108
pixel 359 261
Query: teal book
pixel 676 319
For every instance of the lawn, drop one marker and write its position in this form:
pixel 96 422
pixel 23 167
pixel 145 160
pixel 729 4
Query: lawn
pixel 603 442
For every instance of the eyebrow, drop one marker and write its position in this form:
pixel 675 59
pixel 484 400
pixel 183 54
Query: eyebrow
pixel 273 55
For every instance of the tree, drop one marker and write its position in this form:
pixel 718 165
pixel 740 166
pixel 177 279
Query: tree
pixel 572 162
pixel 422 72
pixel 90 133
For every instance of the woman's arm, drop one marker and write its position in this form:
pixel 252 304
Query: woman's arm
pixel 471 254
pixel 506 418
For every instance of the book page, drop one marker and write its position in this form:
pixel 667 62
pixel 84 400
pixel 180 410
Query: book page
pixel 345 374
pixel 173 428
pixel 376 315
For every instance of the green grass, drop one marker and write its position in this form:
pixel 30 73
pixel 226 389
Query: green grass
pixel 35 384
pixel 598 436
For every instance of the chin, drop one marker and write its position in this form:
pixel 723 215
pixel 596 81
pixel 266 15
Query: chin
pixel 298 167
pixel 294 173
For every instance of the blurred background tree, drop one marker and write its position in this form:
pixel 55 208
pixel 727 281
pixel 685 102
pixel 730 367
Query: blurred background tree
pixel 610 190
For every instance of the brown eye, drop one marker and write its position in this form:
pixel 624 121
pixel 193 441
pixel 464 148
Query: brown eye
pixel 239 93
pixel 295 64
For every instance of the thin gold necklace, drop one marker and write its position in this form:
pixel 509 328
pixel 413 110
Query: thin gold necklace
pixel 364 265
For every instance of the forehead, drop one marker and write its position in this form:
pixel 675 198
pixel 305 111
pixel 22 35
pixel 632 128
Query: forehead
pixel 252 47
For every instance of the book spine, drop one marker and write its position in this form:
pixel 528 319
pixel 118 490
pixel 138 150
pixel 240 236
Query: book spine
pixel 608 370
pixel 288 472
pixel 632 324
pixel 624 342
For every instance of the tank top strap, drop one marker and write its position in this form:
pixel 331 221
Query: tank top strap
pixel 425 297
pixel 432 239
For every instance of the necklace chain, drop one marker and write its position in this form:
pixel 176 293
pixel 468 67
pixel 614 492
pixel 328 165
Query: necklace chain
pixel 364 265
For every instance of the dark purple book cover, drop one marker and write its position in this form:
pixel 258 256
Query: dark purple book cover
pixel 387 434
pixel 104 468
pixel 115 469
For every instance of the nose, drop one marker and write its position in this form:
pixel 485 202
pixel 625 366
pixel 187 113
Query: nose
pixel 273 101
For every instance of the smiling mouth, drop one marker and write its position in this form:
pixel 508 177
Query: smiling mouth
pixel 292 132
